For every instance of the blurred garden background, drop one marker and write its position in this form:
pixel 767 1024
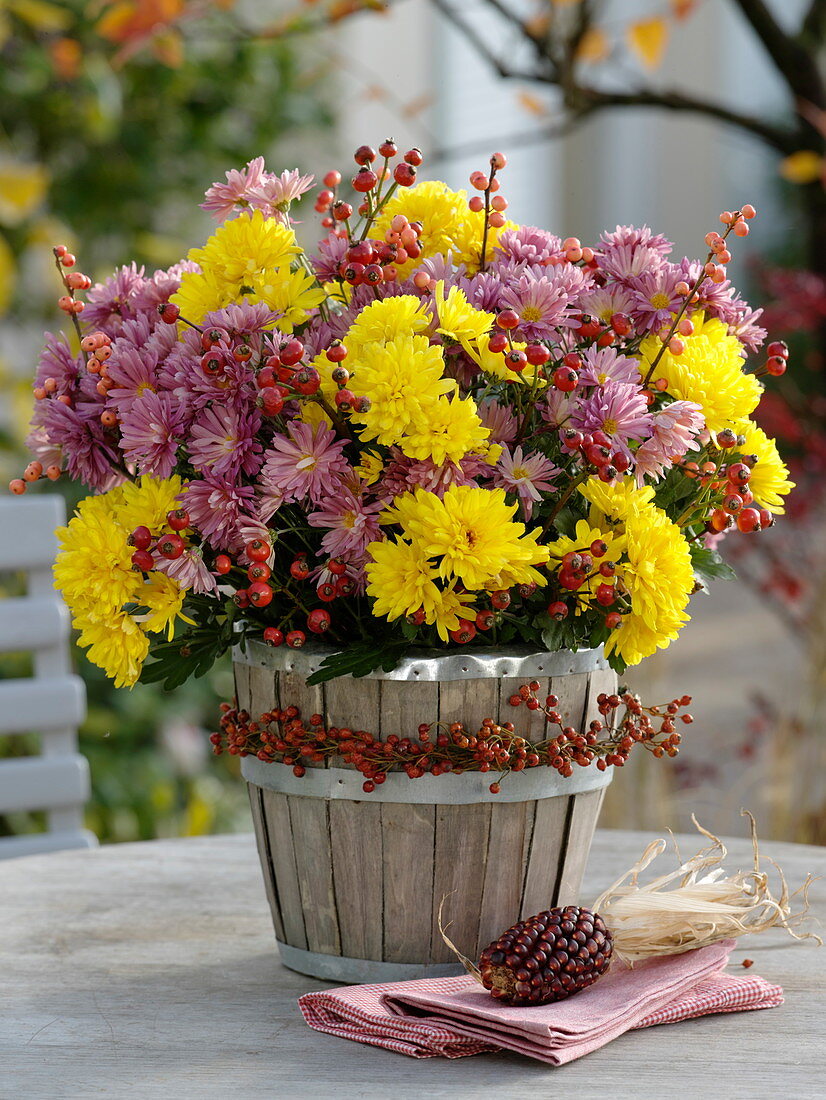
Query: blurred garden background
pixel 115 117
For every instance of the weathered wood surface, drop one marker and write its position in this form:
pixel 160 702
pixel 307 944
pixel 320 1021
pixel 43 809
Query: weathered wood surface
pixel 148 971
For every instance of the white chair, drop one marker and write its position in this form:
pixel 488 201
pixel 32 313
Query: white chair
pixel 51 703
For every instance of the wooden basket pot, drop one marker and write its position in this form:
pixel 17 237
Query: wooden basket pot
pixel 355 880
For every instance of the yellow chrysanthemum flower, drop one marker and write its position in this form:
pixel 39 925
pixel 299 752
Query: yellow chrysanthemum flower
pixel 467 240
pixel 403 380
pixel 93 568
pixel 245 247
pixel 709 372
pixel 770 476
pixel 164 599
pixel 442 214
pixel 655 571
pixel 147 502
pixel 94 572
pixel 116 644
pixel 383 320
pixel 370 468
pixel 473 534
pixel 450 429
pixel 291 293
pixel 200 294
pixel 584 535
pixel 402 581
pixel 493 363
pixel 458 319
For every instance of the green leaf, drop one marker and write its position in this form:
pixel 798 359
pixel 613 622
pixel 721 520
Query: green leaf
pixel 359 660
pixel 559 635
pixel 708 565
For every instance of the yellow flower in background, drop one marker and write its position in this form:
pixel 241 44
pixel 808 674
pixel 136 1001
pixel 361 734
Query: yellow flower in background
pixel 402 581
pixel 770 476
pixel 473 533
pixel 450 430
pixel 245 247
pixel 403 380
pixel 458 319
pixel 382 321
pixel 7 273
pixel 22 189
pixel 116 644
pixel 709 372
pixel 290 293
pixel 370 468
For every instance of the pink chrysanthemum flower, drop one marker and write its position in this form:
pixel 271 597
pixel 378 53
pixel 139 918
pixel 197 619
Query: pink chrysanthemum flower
pixel 656 300
pixel 328 259
pixel 556 407
pixel 529 476
pixel 57 362
pixel 133 374
pixel 150 433
pixel 159 288
pixel 76 432
pixel 351 522
pixel 540 304
pixel 602 365
pixel 189 570
pixel 499 419
pixel 110 303
pixel 630 251
pixel 604 301
pixel 307 462
pixel 404 474
pixel 744 326
pixel 222 200
pixel 217 508
pixel 274 194
pixel 617 409
pixel 527 244
pixel 223 440
pixel 673 433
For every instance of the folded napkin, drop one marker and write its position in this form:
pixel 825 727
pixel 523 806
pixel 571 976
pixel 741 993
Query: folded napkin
pixel 456 1017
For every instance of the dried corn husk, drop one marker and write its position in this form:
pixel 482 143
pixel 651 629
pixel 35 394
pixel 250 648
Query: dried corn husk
pixel 706 905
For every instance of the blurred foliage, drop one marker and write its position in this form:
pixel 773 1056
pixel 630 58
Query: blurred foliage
pixel 109 132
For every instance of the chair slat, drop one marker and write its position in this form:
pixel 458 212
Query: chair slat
pixel 32 623
pixel 39 843
pixel 38 705
pixel 38 782
pixel 27 527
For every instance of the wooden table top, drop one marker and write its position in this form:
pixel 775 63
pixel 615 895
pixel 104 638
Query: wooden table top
pixel 150 970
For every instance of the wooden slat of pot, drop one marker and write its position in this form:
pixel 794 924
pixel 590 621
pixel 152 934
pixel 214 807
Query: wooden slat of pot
pixel 529 723
pixel 358 876
pixel 276 811
pixel 602 680
pixel 469 701
pixel 583 821
pixel 263 689
pixel 510 831
pixel 265 856
pixel 242 685
pixel 406 705
pixel 458 876
pixel 355 704
pixel 408 839
pixel 572 692
pixel 314 865
pixel 548 846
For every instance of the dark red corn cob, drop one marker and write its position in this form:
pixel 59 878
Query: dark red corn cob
pixel 547 957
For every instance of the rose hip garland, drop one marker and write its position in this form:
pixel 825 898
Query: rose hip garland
pixel 280 736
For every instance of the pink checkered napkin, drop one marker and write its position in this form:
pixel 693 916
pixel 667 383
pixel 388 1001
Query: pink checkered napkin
pixel 455 1017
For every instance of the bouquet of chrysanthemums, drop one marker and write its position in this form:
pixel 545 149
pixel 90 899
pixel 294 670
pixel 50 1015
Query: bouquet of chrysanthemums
pixel 435 428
